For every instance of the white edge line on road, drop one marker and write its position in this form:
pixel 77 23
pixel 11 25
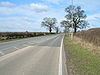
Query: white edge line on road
pixel 60 58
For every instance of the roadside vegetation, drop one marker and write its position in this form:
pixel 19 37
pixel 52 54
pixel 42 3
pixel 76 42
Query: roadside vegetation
pixel 80 61
pixel 89 39
pixel 91 36
pixel 82 48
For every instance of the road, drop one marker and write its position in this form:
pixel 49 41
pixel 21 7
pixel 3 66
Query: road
pixel 34 56
pixel 8 47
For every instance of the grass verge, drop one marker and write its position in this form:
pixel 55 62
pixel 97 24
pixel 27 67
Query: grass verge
pixel 79 60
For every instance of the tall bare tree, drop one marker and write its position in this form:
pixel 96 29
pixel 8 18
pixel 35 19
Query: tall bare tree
pixel 78 18
pixel 66 25
pixel 57 29
pixel 49 23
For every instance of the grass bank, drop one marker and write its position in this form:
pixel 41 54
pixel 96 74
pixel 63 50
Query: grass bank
pixel 79 60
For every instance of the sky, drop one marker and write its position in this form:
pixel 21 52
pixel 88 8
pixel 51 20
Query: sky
pixel 26 15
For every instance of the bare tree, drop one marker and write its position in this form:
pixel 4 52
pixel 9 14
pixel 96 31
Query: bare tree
pixel 66 25
pixel 57 29
pixel 78 18
pixel 49 23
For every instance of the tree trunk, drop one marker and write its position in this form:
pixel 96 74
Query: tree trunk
pixel 50 29
pixel 75 30
pixel 75 27
pixel 56 31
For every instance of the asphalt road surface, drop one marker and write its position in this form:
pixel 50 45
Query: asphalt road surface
pixel 33 56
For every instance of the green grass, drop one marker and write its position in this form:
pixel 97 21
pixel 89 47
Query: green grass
pixel 83 60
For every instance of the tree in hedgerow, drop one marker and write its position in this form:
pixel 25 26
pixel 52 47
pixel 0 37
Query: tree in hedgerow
pixel 49 23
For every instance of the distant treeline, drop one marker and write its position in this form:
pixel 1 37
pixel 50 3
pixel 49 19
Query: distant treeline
pixel 91 36
pixel 14 35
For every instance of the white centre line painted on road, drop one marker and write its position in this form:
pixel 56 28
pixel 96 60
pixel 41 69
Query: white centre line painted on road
pixel 31 43
pixel 5 49
pixel 2 58
pixel 60 58
pixel 16 47
pixel 25 45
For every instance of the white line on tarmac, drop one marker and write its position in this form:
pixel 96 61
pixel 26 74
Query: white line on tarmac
pixel 25 45
pixel 60 58
pixel 31 43
pixel 6 48
pixel 15 47
pixel 14 53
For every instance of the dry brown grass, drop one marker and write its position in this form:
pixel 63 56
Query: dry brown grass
pixel 91 36
pixel 89 46
pixel 90 40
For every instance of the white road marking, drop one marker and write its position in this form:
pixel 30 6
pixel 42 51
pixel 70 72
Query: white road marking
pixel 14 53
pixel 15 47
pixel 23 72
pixel 6 48
pixel 25 45
pixel 31 43
pixel 65 66
pixel 60 58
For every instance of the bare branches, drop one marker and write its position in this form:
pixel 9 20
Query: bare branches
pixel 49 23
pixel 78 17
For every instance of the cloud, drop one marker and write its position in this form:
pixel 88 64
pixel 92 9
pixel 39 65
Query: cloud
pixel 93 17
pixel 38 7
pixel 19 24
pixel 26 10
pixel 52 1
pixel 88 5
pixel 7 4
pixel 94 20
pixel 28 19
